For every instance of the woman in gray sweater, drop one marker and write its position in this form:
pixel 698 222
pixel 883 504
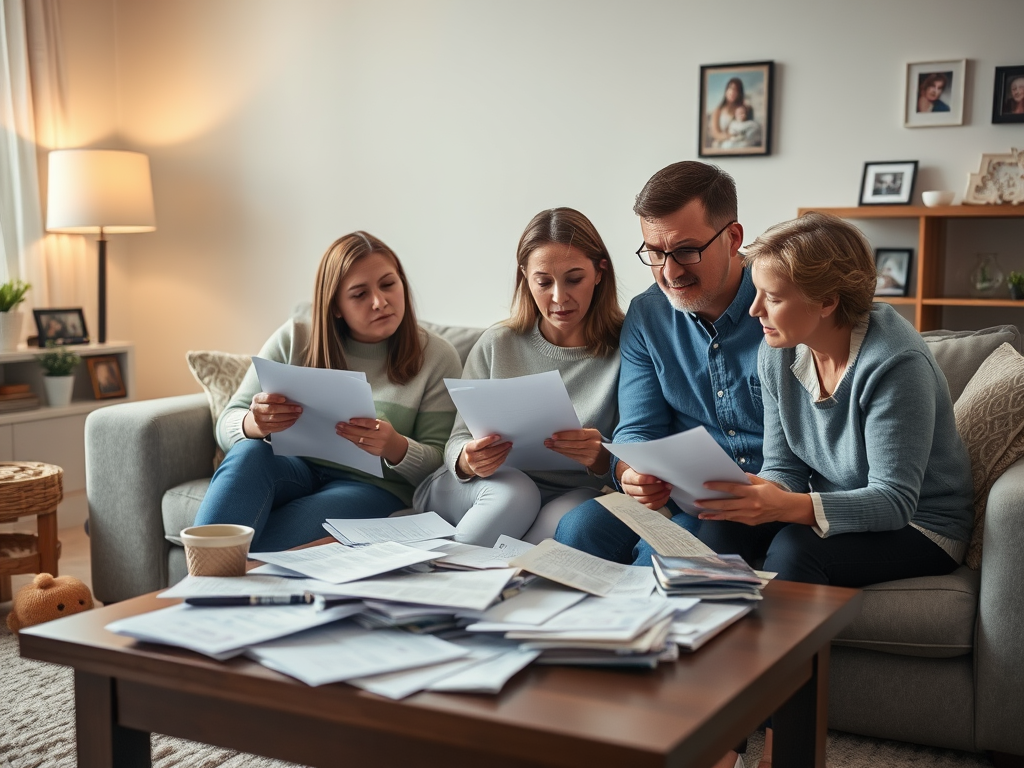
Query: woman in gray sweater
pixel 565 318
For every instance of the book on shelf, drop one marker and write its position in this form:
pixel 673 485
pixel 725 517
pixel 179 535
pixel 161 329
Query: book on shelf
pixel 18 402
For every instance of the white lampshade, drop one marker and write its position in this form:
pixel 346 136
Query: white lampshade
pixel 99 189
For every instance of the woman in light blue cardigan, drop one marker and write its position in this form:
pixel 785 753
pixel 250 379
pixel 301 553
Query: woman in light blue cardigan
pixel 865 478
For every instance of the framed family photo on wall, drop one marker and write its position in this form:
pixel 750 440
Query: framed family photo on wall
pixel 736 109
pixel 889 183
pixel 1008 95
pixel 893 268
pixel 935 93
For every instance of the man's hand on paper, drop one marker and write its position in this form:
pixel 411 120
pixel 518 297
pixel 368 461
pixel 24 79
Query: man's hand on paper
pixel 269 413
pixel 649 490
pixel 582 445
pixel 483 457
pixel 760 502
pixel 375 436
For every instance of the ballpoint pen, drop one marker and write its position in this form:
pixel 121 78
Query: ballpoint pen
pixel 305 598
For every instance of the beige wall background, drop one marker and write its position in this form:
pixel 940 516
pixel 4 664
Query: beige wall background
pixel 442 126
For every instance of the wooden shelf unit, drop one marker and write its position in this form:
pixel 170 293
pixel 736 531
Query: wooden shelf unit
pixel 928 300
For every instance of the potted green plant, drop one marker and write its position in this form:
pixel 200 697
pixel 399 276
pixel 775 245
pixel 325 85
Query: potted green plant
pixel 1016 283
pixel 12 320
pixel 59 365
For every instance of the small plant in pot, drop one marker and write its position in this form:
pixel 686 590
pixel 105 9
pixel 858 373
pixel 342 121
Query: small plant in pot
pixel 58 366
pixel 12 320
pixel 1016 283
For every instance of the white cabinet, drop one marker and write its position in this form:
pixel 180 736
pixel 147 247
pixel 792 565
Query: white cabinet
pixel 57 435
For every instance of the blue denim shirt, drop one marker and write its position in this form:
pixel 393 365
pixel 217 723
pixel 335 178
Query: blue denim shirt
pixel 679 372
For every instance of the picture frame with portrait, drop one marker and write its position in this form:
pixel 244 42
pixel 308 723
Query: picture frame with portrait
pixel 935 93
pixel 1008 95
pixel 736 109
pixel 893 268
pixel 888 183
pixel 105 374
pixel 61 326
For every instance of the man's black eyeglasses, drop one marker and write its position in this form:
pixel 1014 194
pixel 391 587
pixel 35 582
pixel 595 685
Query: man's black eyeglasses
pixel 682 256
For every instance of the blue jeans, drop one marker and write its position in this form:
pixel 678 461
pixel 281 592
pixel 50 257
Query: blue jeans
pixel 795 552
pixel 286 499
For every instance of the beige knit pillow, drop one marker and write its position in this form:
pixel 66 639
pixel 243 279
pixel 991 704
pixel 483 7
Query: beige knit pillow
pixel 990 419
pixel 220 374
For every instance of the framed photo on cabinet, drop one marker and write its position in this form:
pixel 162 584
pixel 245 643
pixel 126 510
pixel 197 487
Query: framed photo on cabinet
pixel 889 183
pixel 935 93
pixel 736 109
pixel 893 268
pixel 105 374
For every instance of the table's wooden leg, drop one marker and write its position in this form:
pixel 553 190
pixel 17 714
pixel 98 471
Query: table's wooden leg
pixel 5 588
pixel 101 741
pixel 801 724
pixel 46 527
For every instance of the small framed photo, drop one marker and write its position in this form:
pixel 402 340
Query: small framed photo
pixel 736 109
pixel 105 373
pixel 893 268
pixel 999 180
pixel 1008 95
pixel 889 183
pixel 61 326
pixel 935 93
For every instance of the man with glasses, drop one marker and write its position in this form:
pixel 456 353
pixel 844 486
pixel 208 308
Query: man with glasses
pixel 686 362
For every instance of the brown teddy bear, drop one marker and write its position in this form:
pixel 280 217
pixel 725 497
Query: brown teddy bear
pixel 48 598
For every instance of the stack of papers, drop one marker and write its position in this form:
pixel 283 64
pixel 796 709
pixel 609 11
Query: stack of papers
pixel 338 564
pixel 722 577
pixel 693 627
pixel 404 529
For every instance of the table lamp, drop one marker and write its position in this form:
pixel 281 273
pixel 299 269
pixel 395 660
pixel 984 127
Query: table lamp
pixel 99 191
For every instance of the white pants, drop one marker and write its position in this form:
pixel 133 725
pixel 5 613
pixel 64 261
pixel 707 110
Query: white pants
pixel 508 502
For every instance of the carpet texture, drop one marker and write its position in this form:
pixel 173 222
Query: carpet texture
pixel 37 730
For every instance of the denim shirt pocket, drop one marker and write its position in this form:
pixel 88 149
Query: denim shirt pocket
pixel 755 395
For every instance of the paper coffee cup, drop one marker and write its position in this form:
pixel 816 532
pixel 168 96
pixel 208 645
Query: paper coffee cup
pixel 216 550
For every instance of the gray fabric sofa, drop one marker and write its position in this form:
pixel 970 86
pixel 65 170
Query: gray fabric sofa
pixel 935 661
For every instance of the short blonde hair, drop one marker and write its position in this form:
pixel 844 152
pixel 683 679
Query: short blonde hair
pixel 823 256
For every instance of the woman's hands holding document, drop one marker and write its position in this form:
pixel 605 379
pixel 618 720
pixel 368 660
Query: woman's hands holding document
pixel 483 457
pixel 649 490
pixel 760 502
pixel 269 413
pixel 375 436
pixel 582 445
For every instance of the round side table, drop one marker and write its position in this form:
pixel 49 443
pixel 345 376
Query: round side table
pixel 29 488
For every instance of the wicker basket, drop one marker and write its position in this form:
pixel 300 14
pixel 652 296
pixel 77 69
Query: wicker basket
pixel 29 488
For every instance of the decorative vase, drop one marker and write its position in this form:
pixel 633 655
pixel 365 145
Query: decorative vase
pixel 986 275
pixel 11 323
pixel 1016 292
pixel 58 390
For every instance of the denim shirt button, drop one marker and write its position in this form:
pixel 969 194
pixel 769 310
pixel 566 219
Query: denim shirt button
pixel 721 393
pixel 743 460
pixel 732 433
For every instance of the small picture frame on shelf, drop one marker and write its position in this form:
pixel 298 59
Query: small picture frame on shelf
pixel 888 183
pixel 61 326
pixel 935 93
pixel 999 180
pixel 1008 95
pixel 105 374
pixel 736 109
pixel 893 268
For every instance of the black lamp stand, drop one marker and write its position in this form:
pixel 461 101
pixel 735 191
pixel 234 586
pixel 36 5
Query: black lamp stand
pixel 102 310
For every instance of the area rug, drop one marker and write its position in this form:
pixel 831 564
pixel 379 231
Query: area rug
pixel 37 730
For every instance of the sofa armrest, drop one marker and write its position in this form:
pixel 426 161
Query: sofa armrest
pixel 999 658
pixel 134 453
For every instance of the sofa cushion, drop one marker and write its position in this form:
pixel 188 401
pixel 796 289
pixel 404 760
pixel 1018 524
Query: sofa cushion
pixel 219 374
pixel 179 506
pixel 460 337
pixel 960 353
pixel 990 419
pixel 927 616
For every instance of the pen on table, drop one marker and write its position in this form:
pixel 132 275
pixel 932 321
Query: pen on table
pixel 305 598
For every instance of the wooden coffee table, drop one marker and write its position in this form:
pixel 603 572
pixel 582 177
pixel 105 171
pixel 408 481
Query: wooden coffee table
pixel 774 662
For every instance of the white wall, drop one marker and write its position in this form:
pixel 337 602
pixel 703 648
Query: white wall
pixel 442 126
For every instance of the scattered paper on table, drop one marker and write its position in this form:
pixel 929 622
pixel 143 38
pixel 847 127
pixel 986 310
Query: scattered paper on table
pixel 662 534
pixel 407 528
pixel 571 567
pixel 472 590
pixel 338 564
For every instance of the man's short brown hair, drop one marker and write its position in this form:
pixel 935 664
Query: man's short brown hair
pixel 680 183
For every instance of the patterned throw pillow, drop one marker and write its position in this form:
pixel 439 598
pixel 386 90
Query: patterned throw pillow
pixel 220 374
pixel 990 419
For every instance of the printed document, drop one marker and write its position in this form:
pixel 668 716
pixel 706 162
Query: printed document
pixel 571 567
pixel 337 564
pixel 662 534
pixel 428 525
pixel 525 410
pixel 471 590
pixel 327 396
pixel 685 460
pixel 469 556
pixel 244 586
pixel 536 603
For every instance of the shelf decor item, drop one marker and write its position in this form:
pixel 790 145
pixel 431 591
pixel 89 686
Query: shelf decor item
pixel 736 109
pixel 59 327
pixel 1008 95
pixel 999 180
pixel 59 375
pixel 986 276
pixel 105 373
pixel 1015 282
pixel 935 93
pixel 12 320
pixel 893 267
pixel 890 183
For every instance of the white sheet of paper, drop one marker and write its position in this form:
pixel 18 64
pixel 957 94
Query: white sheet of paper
pixel 535 604
pixel 225 632
pixel 571 567
pixel 489 676
pixel 428 525
pixel 599 618
pixel 473 590
pixel 346 651
pixel 327 396
pixel 243 586
pixel 637 582
pixel 693 628
pixel 480 558
pixel 525 410
pixel 686 460
pixel 658 531
pixel 337 564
